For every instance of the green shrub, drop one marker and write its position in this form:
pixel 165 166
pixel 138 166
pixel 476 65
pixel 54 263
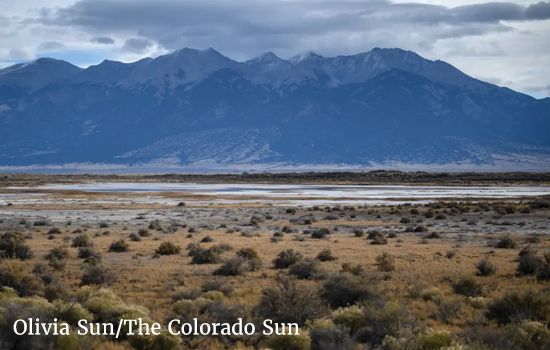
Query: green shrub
pixel 349 317
pixel 433 235
pixel 373 234
pixel 155 225
pixel 97 275
pixel 13 246
pixel 306 269
pixel 16 275
pixel 222 248
pixel 168 248
pixel 90 255
pixel 119 246
pixel 385 262
pixel 486 268
pixel 207 239
pixel 435 340
pixel 344 289
pixel 326 255
pixel 529 264
pixel 287 258
pixel 335 337
pixel 385 319
pixel 234 267
pixel 42 223
pixel 248 253
pixel 358 233
pixel 507 242
pixel 143 232
pixel 432 294
pixel 354 269
pixel 321 233
pixel 201 255
pixel 57 258
pixel 289 342
pixel 544 270
pixel 379 240
pixel 517 307
pixel 217 284
pixel 468 286
pixel 289 302
pixel 56 290
pixel 54 231
pixel 163 341
pixel 134 237
pixel 81 241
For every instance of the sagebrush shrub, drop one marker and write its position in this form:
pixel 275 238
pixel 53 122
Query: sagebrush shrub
pixel 320 233
pixel 379 240
pixel 134 237
pixel 119 246
pixel 516 307
pixel 486 268
pixel 468 286
pixel 143 232
pixel 13 246
pixel 16 275
pixel 217 284
pixel 201 255
pixel 82 240
pixel 97 275
pixel 289 342
pixel 287 258
pixel 290 302
pixel 325 255
pixel 155 225
pixel 234 267
pixel 385 262
pixel 529 264
pixel 344 289
pixel 248 253
pixel 507 242
pixel 168 248
pixel 335 337
pixel 306 269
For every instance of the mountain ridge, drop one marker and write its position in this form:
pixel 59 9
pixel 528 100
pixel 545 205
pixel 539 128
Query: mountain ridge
pixel 377 107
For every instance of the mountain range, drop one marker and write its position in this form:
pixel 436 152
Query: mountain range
pixel 199 108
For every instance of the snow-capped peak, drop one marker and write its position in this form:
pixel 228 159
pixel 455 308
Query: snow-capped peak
pixel 304 56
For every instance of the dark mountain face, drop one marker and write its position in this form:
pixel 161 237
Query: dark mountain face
pixel 200 107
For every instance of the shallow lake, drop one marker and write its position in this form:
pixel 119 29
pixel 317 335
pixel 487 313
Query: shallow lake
pixel 315 191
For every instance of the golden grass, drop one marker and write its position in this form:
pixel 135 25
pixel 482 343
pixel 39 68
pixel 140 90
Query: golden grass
pixel 148 281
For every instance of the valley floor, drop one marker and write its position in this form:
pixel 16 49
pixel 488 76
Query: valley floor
pixel 434 274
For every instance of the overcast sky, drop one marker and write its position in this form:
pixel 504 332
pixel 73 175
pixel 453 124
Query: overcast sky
pixel 505 43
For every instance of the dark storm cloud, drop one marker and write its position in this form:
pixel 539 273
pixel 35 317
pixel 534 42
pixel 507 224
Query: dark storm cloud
pixel 103 40
pixel 538 11
pixel 136 45
pixel 249 25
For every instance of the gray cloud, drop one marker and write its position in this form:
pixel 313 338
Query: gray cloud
pixel 539 11
pixel 276 24
pixel 103 40
pixel 50 46
pixel 503 39
pixel 136 45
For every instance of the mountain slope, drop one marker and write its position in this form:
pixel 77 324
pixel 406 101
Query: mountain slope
pixel 200 107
